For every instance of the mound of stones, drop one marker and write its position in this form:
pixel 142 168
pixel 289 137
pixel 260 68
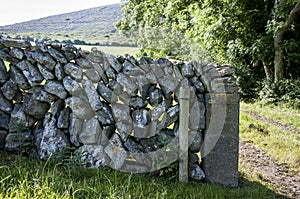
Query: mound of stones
pixel 117 111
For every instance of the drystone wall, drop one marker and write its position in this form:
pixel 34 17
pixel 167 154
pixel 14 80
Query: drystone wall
pixel 117 111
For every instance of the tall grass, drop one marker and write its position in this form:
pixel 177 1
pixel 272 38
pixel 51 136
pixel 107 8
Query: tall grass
pixel 280 113
pixel 21 177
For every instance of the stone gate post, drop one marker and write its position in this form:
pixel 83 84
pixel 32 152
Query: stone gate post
pixel 221 137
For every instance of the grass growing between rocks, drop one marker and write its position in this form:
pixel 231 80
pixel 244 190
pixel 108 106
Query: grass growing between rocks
pixel 21 177
pixel 280 144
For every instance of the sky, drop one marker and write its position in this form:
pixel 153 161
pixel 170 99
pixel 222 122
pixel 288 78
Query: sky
pixel 16 11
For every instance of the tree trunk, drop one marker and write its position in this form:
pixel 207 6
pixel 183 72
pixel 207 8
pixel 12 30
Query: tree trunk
pixel 279 56
pixel 278 44
pixel 268 71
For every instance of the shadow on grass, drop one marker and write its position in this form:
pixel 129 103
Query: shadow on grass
pixel 32 178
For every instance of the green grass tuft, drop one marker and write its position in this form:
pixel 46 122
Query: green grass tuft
pixel 21 177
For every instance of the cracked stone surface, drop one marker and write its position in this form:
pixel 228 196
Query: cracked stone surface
pixel 105 106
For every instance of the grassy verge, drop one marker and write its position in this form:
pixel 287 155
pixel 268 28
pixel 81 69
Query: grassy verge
pixel 279 113
pixel 24 178
pixel 281 145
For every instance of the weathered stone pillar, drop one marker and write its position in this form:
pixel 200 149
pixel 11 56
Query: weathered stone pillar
pixel 220 148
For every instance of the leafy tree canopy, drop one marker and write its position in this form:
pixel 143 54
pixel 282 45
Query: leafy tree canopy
pixel 260 37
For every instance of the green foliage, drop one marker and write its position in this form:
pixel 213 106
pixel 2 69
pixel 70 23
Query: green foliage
pixel 249 81
pixel 287 90
pixel 292 60
pixel 212 24
pixel 240 33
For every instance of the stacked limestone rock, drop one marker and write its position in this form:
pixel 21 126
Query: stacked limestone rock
pixel 55 97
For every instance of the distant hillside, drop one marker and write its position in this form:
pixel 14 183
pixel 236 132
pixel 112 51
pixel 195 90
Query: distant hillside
pixel 94 26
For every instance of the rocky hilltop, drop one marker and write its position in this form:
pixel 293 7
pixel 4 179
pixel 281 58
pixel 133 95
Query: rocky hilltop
pixel 95 25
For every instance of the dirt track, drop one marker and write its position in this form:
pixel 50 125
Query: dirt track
pixel 255 160
pixel 279 176
pixel 273 122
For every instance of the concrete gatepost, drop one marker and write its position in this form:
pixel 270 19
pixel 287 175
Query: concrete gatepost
pixel 221 139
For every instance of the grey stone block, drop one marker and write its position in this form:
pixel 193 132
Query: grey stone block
pixel 221 141
pixel 90 133
pixel 15 43
pixel 3 72
pixel 56 88
pixel 223 172
pixel 3 135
